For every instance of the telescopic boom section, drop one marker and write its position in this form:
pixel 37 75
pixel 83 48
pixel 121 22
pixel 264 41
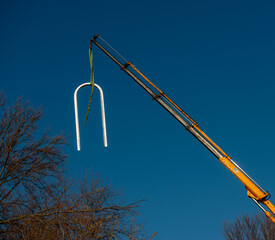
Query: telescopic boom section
pixel 254 191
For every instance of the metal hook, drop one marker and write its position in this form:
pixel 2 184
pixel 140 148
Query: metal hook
pixel 102 114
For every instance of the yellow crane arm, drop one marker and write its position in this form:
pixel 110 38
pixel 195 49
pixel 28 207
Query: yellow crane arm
pixel 254 191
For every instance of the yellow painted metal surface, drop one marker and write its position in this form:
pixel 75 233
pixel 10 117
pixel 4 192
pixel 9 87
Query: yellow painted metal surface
pixel 253 190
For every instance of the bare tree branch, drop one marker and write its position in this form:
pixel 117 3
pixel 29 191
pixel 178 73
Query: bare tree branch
pixel 256 227
pixel 36 200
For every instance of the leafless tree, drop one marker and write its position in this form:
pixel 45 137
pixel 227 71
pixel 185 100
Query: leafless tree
pixel 36 202
pixel 257 227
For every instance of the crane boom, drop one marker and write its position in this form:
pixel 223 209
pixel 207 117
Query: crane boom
pixel 254 191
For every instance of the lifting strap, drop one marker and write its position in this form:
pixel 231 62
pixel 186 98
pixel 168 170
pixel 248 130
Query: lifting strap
pixel 92 81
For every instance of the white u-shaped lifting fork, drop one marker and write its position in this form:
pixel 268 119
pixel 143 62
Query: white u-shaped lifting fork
pixel 102 114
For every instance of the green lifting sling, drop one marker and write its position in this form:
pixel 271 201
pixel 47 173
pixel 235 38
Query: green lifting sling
pixel 92 81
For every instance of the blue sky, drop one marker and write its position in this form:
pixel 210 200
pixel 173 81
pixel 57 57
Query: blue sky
pixel 215 59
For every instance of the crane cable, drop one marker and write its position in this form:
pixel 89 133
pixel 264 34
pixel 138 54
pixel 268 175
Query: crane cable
pixel 113 49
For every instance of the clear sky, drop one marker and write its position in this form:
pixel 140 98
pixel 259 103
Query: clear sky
pixel 215 59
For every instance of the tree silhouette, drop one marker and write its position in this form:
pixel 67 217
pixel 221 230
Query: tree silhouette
pixel 257 227
pixel 36 201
